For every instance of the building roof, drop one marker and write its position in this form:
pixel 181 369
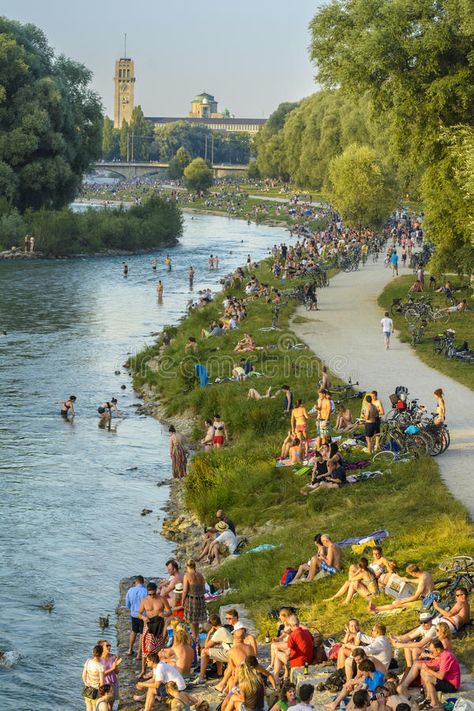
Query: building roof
pixel 198 120
pixel 204 95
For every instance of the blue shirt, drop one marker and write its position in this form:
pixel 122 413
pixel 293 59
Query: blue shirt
pixel 372 684
pixel 394 258
pixel 134 597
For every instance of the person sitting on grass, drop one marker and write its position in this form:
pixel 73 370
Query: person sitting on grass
pixel 246 344
pixel 377 648
pixel 445 678
pixel 215 329
pixel 223 545
pixel 326 560
pixel 416 640
pixel 344 421
pixel 361 579
pixel 381 566
pixel 458 615
pixel 334 479
pixel 295 451
pixel 279 643
pixel 287 443
pixel 351 636
pixel 412 674
pixel 424 587
pixel 216 648
pixel 299 649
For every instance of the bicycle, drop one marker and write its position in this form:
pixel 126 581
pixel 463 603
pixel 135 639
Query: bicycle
pixel 461 568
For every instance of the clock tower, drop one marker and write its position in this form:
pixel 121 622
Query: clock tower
pixel 124 100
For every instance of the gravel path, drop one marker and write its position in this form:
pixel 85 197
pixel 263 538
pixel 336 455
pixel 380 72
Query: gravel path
pixel 346 335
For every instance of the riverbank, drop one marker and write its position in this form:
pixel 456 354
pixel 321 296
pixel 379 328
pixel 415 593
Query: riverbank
pixel 242 479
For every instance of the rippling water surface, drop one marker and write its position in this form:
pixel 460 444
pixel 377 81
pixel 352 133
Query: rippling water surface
pixel 71 493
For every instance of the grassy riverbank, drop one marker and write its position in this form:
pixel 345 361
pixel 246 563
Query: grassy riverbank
pixel 426 523
pixel 155 223
pixel 462 323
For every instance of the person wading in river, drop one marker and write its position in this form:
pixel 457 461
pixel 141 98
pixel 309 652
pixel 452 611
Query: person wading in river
pixel 153 609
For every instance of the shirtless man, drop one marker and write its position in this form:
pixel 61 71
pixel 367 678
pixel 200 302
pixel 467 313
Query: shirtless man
pixel 159 290
pixel 458 615
pixel 424 587
pixel 175 576
pixel 237 655
pixel 326 560
pixel 191 277
pixel 152 609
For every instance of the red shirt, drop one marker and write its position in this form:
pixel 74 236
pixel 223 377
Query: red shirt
pixel 449 666
pixel 300 644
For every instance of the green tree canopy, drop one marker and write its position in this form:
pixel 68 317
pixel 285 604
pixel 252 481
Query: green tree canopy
pixel 50 120
pixel 360 190
pixel 178 163
pixel 198 176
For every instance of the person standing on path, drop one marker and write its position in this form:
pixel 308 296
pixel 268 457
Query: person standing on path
pixel 193 598
pixel 394 263
pixel 133 598
pixel 440 407
pixel 387 328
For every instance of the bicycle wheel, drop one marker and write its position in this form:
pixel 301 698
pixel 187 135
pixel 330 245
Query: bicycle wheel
pixel 457 563
pixel 412 315
pixel 385 456
pixel 446 587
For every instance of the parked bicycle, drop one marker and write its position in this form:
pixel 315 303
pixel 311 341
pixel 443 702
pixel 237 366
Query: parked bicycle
pixel 460 571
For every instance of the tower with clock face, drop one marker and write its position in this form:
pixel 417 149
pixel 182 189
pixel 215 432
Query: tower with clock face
pixel 124 99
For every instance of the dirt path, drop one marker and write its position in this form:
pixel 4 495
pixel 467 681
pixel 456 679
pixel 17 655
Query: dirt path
pixel 346 335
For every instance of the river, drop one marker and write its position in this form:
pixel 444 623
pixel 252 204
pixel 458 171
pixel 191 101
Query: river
pixel 71 493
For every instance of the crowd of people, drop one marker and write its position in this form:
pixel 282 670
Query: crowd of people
pixel 182 647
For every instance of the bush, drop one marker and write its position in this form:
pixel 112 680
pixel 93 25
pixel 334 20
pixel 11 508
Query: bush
pixel 198 176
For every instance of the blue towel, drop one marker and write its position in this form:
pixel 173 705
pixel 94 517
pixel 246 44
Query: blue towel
pixel 202 374
pixel 377 536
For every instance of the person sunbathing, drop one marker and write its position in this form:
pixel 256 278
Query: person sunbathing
pixel 361 579
pixel 424 587
pixel 381 566
pixel 246 344
pixel 295 451
pixel 287 442
pixel 344 421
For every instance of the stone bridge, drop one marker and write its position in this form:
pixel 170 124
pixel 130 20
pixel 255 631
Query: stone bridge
pixel 139 170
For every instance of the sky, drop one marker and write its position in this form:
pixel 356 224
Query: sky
pixel 250 54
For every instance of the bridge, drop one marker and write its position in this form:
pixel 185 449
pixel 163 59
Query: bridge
pixel 129 170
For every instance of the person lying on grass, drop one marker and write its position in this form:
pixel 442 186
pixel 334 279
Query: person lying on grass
pixel 425 585
pixel 361 579
pixel 326 560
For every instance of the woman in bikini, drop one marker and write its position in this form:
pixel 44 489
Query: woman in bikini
pixel 361 579
pixel 220 432
pixel 208 438
pixel 67 406
pixel 440 407
pixel 105 409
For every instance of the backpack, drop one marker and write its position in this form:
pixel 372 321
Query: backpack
pixel 287 576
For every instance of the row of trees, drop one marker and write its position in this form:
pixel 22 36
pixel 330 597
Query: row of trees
pixel 140 140
pixel 396 110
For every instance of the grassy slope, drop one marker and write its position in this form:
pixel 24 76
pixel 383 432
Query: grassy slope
pixel 425 522
pixel 462 323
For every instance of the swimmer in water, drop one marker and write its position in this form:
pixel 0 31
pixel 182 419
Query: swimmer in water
pixel 153 264
pixel 216 262
pixel 191 277
pixel 67 406
pixel 159 290
pixel 168 262
pixel 211 263
pixel 125 269
pixel 105 409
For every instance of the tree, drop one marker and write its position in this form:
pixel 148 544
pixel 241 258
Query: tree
pixel 141 133
pixel 359 189
pixel 198 176
pixel 178 163
pixel 107 138
pixel 268 144
pixel 50 120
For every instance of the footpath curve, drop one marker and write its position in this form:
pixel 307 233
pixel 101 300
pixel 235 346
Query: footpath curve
pixel 346 335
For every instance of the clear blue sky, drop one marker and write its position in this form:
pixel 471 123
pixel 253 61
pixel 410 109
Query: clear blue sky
pixel 251 54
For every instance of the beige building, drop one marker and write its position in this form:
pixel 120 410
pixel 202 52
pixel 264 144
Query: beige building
pixel 204 106
pixel 124 91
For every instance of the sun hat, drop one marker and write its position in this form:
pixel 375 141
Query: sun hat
pixel 221 526
pixel 178 588
pixel 238 626
pixel 425 617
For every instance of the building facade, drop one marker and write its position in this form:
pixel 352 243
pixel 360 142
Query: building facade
pixel 204 106
pixel 124 91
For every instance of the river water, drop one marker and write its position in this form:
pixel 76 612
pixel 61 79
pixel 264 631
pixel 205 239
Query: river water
pixel 70 493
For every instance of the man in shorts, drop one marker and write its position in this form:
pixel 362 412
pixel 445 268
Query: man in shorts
pixel 133 598
pixel 387 328
pixel 223 545
pixel 216 647
pixel 446 678
pixel 323 408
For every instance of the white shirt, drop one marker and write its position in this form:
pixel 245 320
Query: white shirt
pixel 378 647
pixel 302 707
pixel 423 632
pixel 387 324
pixel 165 672
pixel 228 539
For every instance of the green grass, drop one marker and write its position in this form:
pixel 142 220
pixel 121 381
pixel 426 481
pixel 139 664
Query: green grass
pixel 462 323
pixel 425 522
